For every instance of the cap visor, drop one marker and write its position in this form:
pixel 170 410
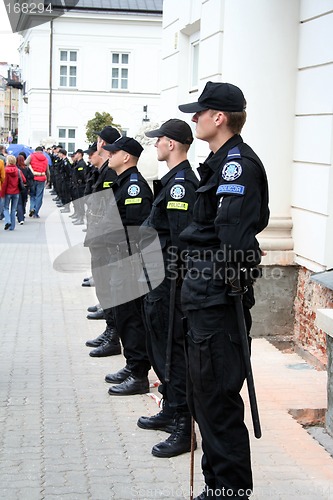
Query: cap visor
pixel 153 133
pixel 110 147
pixel 192 107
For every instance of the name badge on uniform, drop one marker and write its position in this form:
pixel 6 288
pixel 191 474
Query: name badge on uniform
pixel 107 184
pixel 177 205
pixel 231 189
pixel 177 192
pixel 133 201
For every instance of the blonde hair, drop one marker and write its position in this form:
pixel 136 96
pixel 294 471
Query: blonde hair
pixel 11 160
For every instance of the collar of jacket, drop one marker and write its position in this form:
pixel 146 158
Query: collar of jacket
pixel 182 166
pixel 213 161
pixel 123 176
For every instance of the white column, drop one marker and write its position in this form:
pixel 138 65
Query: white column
pixel 260 45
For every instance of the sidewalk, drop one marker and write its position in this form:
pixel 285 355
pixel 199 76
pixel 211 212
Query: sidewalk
pixel 62 435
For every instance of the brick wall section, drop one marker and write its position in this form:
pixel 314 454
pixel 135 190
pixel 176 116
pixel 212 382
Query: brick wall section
pixel 310 296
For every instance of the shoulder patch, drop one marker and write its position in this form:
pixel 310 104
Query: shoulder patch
pixel 133 190
pixel 231 171
pixel 177 192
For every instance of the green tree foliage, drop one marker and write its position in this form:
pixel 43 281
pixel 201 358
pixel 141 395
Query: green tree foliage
pixel 97 123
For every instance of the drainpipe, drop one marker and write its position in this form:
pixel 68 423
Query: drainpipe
pixel 50 78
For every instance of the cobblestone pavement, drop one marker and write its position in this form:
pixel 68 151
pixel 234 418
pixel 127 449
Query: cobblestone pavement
pixel 62 435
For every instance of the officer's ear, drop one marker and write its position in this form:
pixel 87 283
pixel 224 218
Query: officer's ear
pixel 219 117
pixel 171 144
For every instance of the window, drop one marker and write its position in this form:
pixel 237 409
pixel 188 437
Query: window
pixel 194 65
pixel 68 68
pixel 67 139
pixel 119 71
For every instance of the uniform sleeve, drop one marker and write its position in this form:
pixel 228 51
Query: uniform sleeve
pixel 81 172
pixel 67 168
pixel 179 201
pixel 137 201
pixel 239 210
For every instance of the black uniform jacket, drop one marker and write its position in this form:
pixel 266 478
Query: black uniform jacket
pixel 122 211
pixel 230 210
pixel 79 173
pixel 65 168
pixel 173 207
pixel 97 201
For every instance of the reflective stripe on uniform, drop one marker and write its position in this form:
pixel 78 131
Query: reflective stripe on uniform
pixel 133 201
pixel 178 205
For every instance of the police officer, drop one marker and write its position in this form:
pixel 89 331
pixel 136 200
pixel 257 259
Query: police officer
pixel 231 208
pixel 79 173
pixel 65 170
pixel 133 199
pixel 107 343
pixel 171 213
pixel 56 181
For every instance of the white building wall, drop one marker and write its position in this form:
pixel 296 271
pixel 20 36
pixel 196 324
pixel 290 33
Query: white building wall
pixel 94 37
pixel 241 42
pixel 312 206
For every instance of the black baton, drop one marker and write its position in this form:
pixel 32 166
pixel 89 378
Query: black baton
pixel 170 324
pixel 247 362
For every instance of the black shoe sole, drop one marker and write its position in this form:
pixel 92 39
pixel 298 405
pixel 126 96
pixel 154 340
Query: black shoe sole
pixel 119 381
pixel 132 393
pixel 92 309
pixel 90 316
pixel 166 454
pixel 113 353
pixel 167 428
pixel 90 344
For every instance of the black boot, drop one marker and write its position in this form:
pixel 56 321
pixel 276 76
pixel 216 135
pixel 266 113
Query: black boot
pixel 119 376
pixel 98 314
pixel 131 385
pixel 98 340
pixel 109 347
pixel 162 421
pixel 179 441
pixel 89 282
pixel 93 309
pixel 79 222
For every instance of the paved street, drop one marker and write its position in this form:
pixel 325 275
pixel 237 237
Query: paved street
pixel 63 437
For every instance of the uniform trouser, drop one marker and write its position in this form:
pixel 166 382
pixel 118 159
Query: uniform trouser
pixel 130 328
pixel 157 307
pixel 128 309
pixel 66 191
pixel 57 183
pixel 101 274
pixel 78 202
pixel 216 374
